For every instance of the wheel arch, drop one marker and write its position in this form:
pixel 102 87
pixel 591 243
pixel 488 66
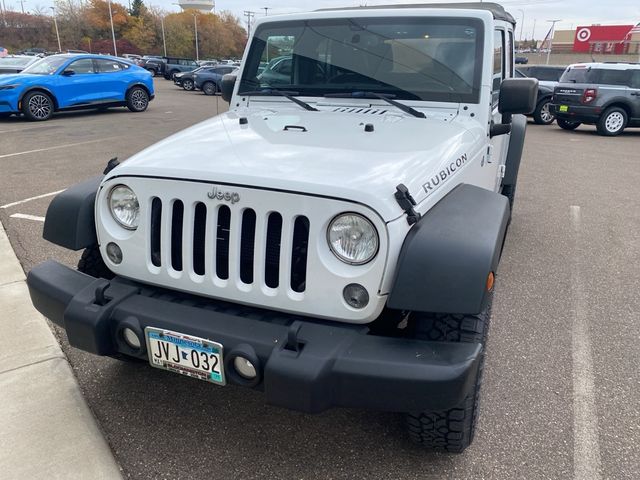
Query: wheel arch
pixel 137 84
pixel 620 103
pixel 41 89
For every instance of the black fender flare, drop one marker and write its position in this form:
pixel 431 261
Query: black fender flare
pixel 70 220
pixel 447 257
pixel 516 145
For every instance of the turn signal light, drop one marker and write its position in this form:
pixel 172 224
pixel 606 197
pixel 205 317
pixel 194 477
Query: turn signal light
pixel 491 279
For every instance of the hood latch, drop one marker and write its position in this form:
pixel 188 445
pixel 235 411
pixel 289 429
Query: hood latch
pixel 406 202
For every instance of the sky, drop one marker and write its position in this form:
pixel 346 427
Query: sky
pixel 535 12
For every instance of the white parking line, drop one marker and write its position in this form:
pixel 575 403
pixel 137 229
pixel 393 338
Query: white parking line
pixel 586 450
pixel 28 217
pixel 19 202
pixel 54 148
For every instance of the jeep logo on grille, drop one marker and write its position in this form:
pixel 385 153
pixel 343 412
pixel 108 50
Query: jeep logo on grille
pixel 217 194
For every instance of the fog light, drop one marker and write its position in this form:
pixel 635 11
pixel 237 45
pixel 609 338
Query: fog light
pixel 131 338
pixel 356 295
pixel 245 368
pixel 114 253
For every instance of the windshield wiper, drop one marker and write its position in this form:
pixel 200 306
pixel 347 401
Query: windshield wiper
pixel 289 95
pixel 387 97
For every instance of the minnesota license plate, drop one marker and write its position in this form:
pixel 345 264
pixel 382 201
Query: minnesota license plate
pixel 563 108
pixel 184 354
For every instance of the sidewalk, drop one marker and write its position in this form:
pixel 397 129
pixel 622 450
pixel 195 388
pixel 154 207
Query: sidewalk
pixel 47 430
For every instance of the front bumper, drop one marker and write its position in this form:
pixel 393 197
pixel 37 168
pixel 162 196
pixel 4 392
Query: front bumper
pixel 303 364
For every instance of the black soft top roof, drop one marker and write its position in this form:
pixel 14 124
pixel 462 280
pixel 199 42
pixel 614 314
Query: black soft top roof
pixel 498 11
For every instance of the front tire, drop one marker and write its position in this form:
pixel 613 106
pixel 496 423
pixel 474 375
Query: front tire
pixel 37 106
pixel 209 88
pixel 92 264
pixel 567 124
pixel 137 99
pixel 542 114
pixel 612 122
pixel 450 430
pixel 187 84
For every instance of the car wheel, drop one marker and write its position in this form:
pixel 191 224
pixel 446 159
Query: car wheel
pixel 153 71
pixel 450 430
pixel 542 114
pixel 187 84
pixel 137 99
pixel 612 122
pixel 209 88
pixel 37 106
pixel 567 124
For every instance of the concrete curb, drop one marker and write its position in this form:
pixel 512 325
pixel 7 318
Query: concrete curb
pixel 47 429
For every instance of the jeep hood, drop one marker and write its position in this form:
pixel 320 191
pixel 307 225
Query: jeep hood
pixel 322 153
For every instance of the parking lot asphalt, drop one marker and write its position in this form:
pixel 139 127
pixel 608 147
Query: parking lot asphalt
pixel 560 398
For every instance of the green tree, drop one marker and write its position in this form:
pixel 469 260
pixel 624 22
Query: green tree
pixel 137 8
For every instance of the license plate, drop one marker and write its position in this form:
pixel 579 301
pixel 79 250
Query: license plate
pixel 184 354
pixel 563 108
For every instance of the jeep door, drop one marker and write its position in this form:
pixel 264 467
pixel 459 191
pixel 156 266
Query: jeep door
pixel 498 145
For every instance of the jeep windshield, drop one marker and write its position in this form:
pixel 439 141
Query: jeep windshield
pixel 431 58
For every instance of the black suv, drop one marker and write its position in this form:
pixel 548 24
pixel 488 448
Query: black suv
pixel 548 76
pixel 603 94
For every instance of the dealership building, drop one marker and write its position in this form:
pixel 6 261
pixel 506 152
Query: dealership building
pixel 601 39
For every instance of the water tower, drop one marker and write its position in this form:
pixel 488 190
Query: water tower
pixel 203 6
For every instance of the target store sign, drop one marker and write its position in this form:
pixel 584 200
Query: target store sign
pixel 588 36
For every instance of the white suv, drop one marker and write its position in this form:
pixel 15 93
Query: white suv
pixel 332 239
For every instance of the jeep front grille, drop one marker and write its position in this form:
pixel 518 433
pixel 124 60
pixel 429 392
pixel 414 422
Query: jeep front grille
pixel 258 247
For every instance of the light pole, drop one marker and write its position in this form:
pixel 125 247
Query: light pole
pixel 113 33
pixel 195 24
pixel 249 14
pixel 55 22
pixel 553 30
pixel 22 2
pixel 164 41
pixel 521 26
pixel 266 10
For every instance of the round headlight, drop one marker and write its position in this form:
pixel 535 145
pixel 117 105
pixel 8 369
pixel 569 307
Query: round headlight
pixel 353 239
pixel 124 207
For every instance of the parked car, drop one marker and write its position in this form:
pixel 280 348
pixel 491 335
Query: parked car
pixel 185 79
pixel 175 65
pixel 277 71
pixel 154 65
pixel 521 60
pixel 16 63
pixel 132 57
pixel 67 82
pixel 210 80
pixel 606 95
pixel 547 76
pixel 332 247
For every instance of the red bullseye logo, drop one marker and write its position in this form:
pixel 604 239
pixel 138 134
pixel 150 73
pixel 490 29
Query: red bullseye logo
pixel 583 34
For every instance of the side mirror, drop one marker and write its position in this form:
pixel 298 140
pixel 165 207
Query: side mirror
pixel 227 86
pixel 518 95
pixel 68 73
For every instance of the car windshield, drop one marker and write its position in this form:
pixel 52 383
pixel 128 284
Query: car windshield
pixel 14 61
pixel 437 59
pixel 46 66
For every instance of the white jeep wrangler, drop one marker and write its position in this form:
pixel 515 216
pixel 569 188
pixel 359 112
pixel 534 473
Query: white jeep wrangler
pixel 333 238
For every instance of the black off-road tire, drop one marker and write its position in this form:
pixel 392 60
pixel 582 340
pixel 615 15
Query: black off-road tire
pixel 509 191
pixel 137 99
pixel 450 430
pixel 542 114
pixel 209 88
pixel 567 124
pixel 612 122
pixel 92 264
pixel 37 106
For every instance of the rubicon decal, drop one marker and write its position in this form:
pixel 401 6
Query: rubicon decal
pixel 442 176
pixel 218 194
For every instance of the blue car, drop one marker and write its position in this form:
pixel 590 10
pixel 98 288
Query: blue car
pixel 69 82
